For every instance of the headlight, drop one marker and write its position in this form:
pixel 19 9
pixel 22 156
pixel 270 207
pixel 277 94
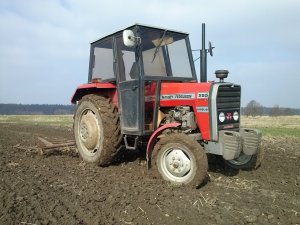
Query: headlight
pixel 236 116
pixel 221 117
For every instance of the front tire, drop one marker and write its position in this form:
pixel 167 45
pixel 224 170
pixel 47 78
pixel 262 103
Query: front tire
pixel 246 162
pixel 180 159
pixel 97 130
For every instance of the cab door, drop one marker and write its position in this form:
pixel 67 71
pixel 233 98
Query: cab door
pixel 129 88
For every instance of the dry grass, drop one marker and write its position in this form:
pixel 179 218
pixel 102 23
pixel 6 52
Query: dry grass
pixel 271 122
pixel 271 126
pixel 274 126
pixel 51 120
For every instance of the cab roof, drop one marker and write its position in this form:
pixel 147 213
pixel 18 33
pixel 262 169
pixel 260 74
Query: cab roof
pixel 140 25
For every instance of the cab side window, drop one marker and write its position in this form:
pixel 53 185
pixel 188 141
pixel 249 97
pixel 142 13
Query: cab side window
pixel 128 67
pixel 102 60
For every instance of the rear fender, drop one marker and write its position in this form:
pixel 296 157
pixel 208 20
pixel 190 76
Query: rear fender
pixel 153 139
pixel 104 89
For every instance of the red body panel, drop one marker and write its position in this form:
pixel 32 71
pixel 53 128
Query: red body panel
pixel 195 95
pixel 105 89
pixel 172 94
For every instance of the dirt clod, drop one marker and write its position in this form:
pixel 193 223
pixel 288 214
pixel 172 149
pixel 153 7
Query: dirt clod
pixel 251 218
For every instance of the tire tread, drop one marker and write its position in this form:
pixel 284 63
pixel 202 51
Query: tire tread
pixel 111 127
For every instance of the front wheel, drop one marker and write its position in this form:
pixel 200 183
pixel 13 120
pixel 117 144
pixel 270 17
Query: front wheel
pixel 180 160
pixel 246 162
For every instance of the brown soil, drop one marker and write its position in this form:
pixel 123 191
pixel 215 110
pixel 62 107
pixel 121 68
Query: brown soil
pixel 61 189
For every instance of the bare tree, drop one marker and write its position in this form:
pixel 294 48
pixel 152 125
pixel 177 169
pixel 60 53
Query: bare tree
pixel 287 111
pixel 276 110
pixel 254 108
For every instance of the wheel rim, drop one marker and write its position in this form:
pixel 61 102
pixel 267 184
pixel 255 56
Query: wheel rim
pixel 176 164
pixel 89 132
pixel 241 160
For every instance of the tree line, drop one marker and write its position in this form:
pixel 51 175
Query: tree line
pixel 20 109
pixel 254 108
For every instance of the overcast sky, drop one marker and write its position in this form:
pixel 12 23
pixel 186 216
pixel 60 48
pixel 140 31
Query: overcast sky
pixel 44 44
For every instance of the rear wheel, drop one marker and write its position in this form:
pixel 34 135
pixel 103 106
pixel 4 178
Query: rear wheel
pixel 181 160
pixel 97 130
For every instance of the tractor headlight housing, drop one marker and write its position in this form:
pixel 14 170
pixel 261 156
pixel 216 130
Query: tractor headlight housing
pixel 236 116
pixel 221 117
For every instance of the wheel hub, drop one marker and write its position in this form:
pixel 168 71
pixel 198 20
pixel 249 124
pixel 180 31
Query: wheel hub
pixel 177 163
pixel 89 131
pixel 84 131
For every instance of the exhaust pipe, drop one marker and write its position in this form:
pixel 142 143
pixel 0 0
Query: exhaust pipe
pixel 203 58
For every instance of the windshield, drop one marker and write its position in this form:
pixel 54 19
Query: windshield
pixel 165 53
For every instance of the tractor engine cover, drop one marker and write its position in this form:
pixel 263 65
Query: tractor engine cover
pixel 184 115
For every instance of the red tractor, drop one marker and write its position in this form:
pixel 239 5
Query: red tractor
pixel 142 89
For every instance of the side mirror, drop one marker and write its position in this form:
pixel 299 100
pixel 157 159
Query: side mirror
pixel 128 38
pixel 210 48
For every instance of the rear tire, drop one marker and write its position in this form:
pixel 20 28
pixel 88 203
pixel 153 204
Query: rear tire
pixel 180 160
pixel 97 130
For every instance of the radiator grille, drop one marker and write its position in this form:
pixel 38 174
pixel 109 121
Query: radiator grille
pixel 229 102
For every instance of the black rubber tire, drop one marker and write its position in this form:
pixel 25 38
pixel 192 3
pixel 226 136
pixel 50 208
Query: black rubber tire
pixel 253 163
pixel 192 149
pixel 109 137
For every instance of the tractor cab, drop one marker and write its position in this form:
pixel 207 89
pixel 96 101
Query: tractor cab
pixel 137 60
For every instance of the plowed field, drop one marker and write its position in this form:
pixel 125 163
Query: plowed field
pixel 59 188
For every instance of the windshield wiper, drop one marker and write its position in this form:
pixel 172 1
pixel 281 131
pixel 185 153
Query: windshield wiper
pixel 158 46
